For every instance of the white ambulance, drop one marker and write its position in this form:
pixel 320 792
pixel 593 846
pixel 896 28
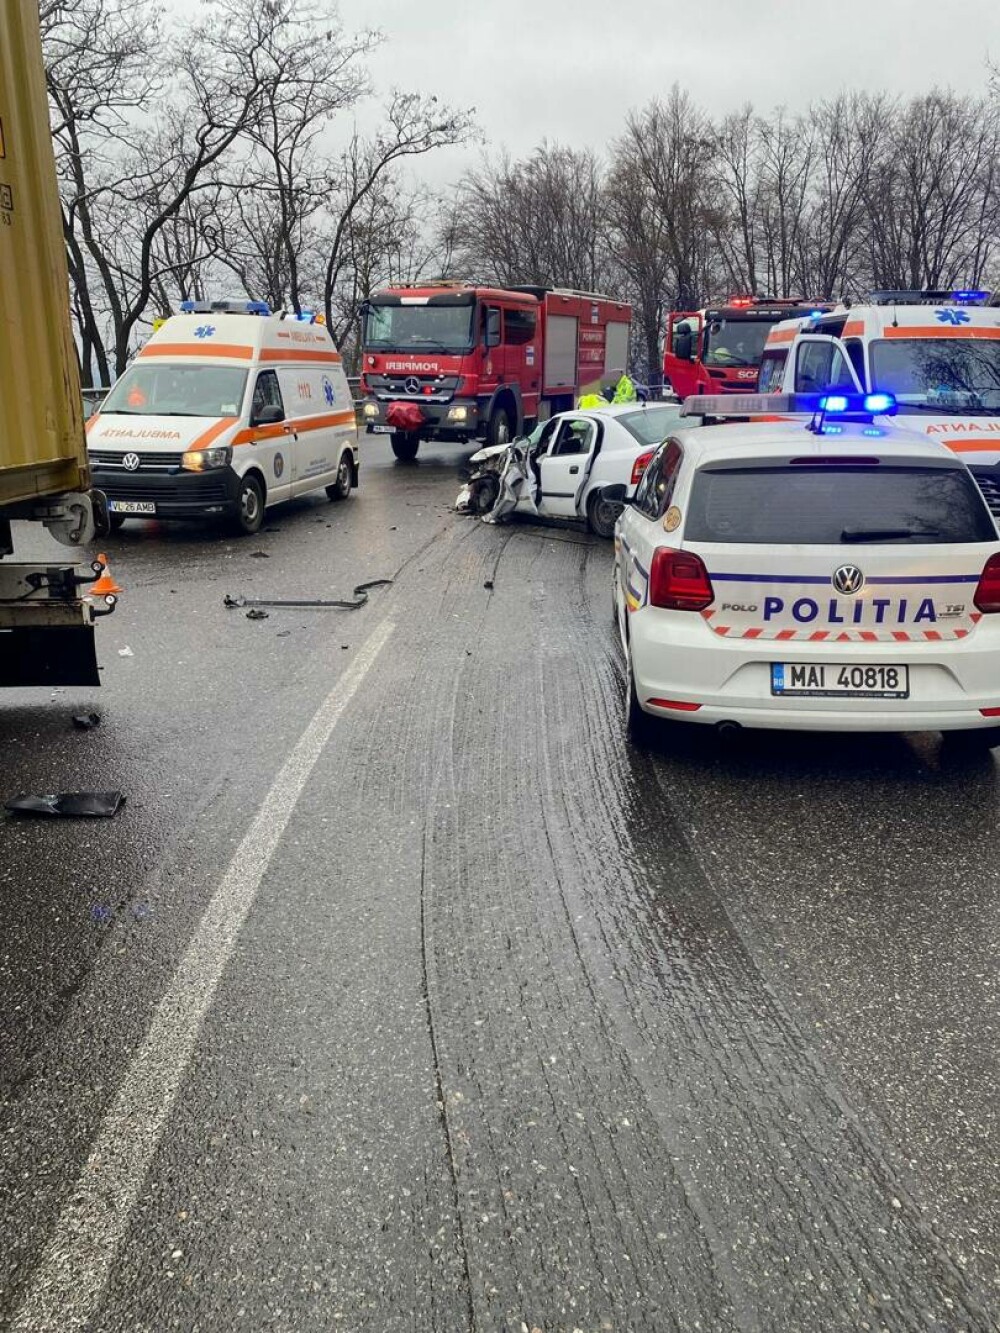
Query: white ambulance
pixel 228 409
pixel 936 352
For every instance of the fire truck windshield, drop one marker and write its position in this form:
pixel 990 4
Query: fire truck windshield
pixel 735 342
pixel 938 374
pixel 443 328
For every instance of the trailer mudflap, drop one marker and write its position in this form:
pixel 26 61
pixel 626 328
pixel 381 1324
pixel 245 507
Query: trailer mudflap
pixel 42 655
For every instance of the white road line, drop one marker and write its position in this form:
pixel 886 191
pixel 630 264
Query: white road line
pixel 69 1282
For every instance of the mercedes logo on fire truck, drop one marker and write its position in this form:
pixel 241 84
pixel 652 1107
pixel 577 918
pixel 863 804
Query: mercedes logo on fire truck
pixel 848 579
pixel 411 384
pixel 131 462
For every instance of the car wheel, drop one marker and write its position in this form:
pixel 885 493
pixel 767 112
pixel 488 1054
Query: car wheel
pixel 116 522
pixel 405 447
pixel 341 488
pixel 980 740
pixel 640 726
pixel 499 430
pixel 250 506
pixel 602 517
pixel 484 492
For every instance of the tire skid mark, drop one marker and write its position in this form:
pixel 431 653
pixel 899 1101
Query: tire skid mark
pixel 774 1081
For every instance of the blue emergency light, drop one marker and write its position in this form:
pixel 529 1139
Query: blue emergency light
pixel 225 308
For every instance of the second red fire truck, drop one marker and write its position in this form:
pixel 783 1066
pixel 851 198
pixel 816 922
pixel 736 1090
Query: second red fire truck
pixel 718 349
pixel 455 361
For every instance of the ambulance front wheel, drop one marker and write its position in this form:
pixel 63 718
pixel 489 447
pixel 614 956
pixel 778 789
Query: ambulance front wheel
pixel 341 488
pixel 404 446
pixel 250 505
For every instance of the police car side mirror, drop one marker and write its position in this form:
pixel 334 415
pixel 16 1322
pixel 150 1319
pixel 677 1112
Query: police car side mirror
pixel 269 415
pixel 614 495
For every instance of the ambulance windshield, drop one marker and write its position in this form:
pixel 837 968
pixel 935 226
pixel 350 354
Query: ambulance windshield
pixel 435 328
pixel 736 342
pixel 939 374
pixel 166 389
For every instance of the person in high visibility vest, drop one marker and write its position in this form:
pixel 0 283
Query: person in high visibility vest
pixel 625 390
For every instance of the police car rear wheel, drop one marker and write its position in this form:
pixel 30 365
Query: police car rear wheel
pixel 640 726
pixel 978 741
pixel 250 506
pixel 341 488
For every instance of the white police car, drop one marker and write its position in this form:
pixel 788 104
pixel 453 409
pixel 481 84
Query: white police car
pixel 831 573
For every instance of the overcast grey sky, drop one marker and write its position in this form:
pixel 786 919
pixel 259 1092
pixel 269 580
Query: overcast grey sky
pixel 569 70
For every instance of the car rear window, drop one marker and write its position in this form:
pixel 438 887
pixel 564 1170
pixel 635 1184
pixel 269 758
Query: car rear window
pixel 650 425
pixel 827 505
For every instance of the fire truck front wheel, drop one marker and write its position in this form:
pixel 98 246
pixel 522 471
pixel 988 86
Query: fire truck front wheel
pixel 405 446
pixel 500 430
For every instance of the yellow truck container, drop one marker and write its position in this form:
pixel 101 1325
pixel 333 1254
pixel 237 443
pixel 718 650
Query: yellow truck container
pixel 46 616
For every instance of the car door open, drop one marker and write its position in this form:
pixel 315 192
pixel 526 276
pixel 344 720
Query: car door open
pixel 564 467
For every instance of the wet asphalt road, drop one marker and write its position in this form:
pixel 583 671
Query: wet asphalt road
pixel 519 1028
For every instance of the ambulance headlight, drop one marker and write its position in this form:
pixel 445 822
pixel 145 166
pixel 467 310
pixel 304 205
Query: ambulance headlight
pixel 202 460
pixel 370 409
pixel 458 414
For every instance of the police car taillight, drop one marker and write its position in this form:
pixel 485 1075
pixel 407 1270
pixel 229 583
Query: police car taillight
pixel 679 581
pixel 640 465
pixel 987 596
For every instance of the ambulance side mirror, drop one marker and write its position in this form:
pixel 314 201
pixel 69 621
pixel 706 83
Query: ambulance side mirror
pixel 269 415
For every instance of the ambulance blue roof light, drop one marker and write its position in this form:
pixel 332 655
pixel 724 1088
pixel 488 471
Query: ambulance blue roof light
pixel 225 308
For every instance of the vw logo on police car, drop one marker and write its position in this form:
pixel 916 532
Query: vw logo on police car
pixel 848 579
pixel 131 462
pixel 412 384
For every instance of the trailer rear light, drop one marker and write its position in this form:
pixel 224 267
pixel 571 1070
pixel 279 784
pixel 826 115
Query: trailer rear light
pixel 987 597
pixel 678 581
pixel 678 705
pixel 640 465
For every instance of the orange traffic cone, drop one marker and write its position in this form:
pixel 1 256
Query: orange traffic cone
pixel 105 586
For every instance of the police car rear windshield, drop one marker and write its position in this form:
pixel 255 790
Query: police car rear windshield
pixel 841 505
pixel 650 425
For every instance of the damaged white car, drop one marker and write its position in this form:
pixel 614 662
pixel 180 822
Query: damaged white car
pixel 559 470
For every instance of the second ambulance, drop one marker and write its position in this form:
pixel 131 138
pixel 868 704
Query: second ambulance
pixel 228 409
pixel 936 352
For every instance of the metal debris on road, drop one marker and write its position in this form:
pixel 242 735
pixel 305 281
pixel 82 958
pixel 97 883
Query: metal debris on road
pixel 259 555
pixel 68 805
pixel 86 721
pixel 126 652
pixel 360 598
pixel 256 614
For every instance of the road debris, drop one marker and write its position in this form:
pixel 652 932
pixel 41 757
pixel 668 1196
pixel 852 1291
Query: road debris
pixel 68 805
pixel 259 555
pixel 359 599
pixel 256 614
pixel 126 652
pixel 86 721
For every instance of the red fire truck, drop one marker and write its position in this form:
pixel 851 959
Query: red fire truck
pixel 455 361
pixel 718 350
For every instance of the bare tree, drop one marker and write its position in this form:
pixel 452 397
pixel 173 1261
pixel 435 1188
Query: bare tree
pixel 415 125
pixel 538 221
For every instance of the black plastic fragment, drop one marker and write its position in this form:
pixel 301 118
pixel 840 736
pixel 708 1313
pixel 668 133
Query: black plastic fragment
pixel 68 805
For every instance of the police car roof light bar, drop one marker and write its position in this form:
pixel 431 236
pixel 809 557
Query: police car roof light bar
pixel 818 406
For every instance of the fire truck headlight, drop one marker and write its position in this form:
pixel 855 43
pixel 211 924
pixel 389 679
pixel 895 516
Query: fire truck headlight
pixel 370 409
pixel 458 414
